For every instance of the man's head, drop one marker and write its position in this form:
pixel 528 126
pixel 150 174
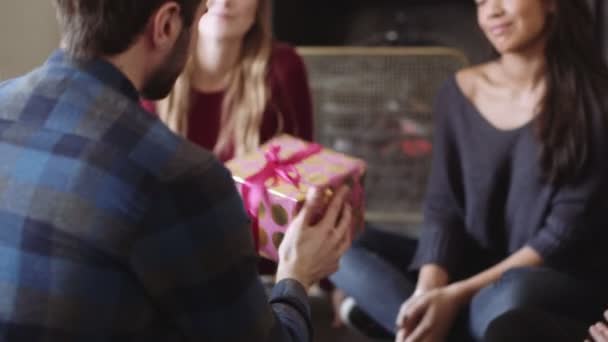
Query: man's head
pixel 160 30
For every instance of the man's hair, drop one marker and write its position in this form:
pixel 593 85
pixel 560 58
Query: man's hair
pixel 92 28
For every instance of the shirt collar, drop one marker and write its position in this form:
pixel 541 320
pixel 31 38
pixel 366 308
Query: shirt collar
pixel 102 70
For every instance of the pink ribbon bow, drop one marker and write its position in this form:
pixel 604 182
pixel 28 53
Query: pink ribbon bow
pixel 276 168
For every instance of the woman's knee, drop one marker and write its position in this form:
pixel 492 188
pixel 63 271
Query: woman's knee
pixel 515 290
pixel 507 327
pixel 353 265
pixel 533 324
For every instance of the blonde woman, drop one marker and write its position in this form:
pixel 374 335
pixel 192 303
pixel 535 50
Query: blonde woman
pixel 240 87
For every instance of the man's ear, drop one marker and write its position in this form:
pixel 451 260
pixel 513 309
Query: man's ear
pixel 165 26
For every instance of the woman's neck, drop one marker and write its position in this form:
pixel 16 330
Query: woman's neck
pixel 525 70
pixel 214 61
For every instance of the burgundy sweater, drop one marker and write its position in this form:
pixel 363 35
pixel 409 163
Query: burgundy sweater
pixel 290 99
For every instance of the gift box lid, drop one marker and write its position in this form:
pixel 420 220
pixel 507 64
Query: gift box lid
pixel 319 169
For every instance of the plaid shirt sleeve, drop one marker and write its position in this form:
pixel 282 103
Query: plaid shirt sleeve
pixel 197 262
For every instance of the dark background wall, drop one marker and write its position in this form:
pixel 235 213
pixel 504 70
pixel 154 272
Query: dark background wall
pixel 28 34
pixel 602 9
pixel 392 22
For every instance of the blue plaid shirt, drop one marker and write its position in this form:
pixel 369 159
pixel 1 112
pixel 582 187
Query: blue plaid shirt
pixel 112 228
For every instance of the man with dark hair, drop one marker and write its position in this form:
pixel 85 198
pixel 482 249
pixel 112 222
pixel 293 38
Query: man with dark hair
pixel 112 228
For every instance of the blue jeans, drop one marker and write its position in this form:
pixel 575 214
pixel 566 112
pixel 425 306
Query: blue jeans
pixel 533 325
pixel 374 272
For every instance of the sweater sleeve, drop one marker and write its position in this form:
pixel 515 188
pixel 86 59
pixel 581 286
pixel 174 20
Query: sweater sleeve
pixel 576 215
pixel 443 235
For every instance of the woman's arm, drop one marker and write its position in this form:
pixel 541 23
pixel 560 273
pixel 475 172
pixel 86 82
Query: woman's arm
pixel 470 286
pixel 443 235
pixel 431 277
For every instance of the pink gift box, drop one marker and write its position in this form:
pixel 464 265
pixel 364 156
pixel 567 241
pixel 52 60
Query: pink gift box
pixel 273 182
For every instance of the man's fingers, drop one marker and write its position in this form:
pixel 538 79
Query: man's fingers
pixel 314 201
pixel 343 230
pixel 344 246
pixel 335 206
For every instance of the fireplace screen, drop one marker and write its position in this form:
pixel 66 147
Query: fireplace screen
pixel 376 104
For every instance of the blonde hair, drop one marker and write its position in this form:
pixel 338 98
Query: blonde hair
pixel 245 99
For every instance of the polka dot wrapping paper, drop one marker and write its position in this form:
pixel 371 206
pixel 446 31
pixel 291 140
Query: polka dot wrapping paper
pixel 284 169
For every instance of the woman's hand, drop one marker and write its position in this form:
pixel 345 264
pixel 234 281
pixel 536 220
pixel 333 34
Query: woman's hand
pixel 599 331
pixel 428 316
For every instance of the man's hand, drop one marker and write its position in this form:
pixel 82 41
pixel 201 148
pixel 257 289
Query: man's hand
pixel 312 250
pixel 599 331
pixel 429 316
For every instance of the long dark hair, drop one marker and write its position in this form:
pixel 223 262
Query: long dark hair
pixel 577 78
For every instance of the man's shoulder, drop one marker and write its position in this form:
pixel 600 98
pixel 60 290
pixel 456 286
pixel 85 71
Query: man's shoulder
pixel 70 102
pixel 172 157
pixel 147 143
pixel 15 93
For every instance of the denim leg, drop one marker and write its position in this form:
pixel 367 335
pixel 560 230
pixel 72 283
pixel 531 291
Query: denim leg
pixel 376 282
pixel 396 249
pixel 533 325
pixel 537 288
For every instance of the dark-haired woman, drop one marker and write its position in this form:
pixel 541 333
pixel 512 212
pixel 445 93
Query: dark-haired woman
pixel 515 214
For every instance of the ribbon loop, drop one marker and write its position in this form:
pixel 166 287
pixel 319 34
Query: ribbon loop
pixel 255 192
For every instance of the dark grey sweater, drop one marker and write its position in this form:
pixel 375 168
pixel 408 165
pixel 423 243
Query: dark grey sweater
pixel 486 199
